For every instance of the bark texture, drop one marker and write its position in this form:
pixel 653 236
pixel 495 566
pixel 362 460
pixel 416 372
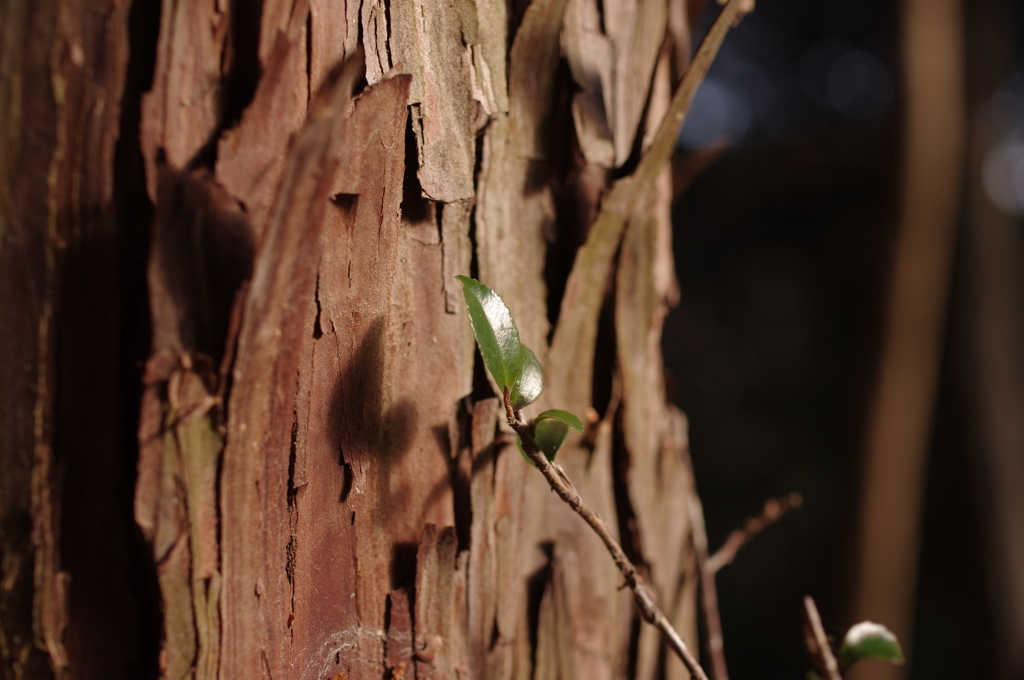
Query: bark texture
pixel 62 75
pixel 323 488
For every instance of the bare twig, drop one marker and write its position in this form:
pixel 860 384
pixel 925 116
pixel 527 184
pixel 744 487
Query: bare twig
pixel 709 590
pixel 709 566
pixel 773 511
pixel 817 642
pixel 562 486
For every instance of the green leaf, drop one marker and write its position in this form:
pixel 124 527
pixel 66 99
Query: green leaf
pixel 563 416
pixel 495 331
pixel 549 431
pixel 530 383
pixel 868 640
pixel 811 675
pixel 549 434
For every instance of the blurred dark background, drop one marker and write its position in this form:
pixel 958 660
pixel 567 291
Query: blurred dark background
pixel 784 250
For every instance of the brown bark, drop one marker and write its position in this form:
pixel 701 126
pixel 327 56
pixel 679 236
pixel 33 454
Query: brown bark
pixel 322 488
pixel 64 543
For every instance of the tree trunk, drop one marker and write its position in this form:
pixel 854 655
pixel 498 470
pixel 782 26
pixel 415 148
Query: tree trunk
pixel 320 478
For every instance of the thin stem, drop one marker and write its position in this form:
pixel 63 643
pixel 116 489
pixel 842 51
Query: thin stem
pixel 562 486
pixel 817 642
pixel 774 510
pixel 709 589
pixel 709 566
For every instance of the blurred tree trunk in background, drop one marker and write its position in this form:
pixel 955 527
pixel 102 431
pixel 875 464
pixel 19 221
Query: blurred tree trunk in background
pixel 954 124
pixel 900 417
pixel 318 487
pixel 990 336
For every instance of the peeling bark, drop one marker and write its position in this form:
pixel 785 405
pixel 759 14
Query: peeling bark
pixel 323 488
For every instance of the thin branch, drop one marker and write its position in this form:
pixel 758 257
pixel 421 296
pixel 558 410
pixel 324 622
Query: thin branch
pixel 708 566
pixel 817 642
pixel 774 509
pixel 562 486
pixel 708 588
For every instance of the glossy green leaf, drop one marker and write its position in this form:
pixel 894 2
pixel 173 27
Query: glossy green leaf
pixel 495 331
pixel 563 416
pixel 549 434
pixel 868 640
pixel 530 383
